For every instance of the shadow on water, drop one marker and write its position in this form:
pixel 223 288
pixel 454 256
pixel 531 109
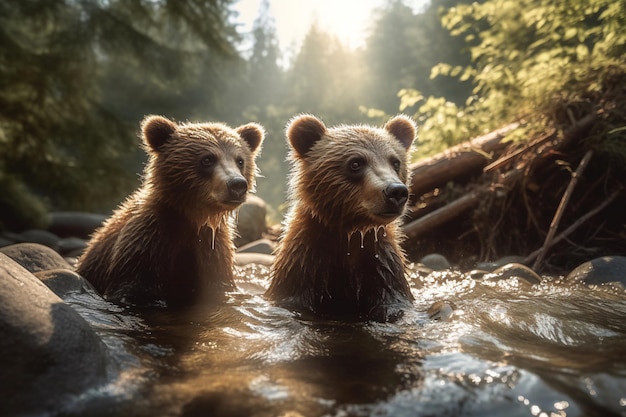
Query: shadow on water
pixel 508 349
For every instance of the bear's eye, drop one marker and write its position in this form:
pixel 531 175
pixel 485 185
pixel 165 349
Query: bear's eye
pixel 355 164
pixel 208 161
pixel 396 164
pixel 240 162
pixel 206 164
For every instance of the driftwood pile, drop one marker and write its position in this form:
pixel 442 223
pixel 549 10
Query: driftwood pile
pixel 551 200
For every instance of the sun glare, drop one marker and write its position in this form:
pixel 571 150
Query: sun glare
pixel 349 20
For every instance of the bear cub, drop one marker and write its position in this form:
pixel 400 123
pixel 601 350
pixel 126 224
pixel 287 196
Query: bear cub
pixel 169 243
pixel 339 256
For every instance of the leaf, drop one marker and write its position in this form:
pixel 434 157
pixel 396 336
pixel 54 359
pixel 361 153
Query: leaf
pixel 570 33
pixel 582 52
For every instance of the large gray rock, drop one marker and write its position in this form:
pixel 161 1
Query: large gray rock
pixel 265 246
pixel 435 261
pixel 49 355
pixel 42 237
pixel 35 257
pixel 64 282
pixel 251 222
pixel 600 271
pixel 75 223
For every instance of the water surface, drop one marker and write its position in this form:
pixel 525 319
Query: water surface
pixel 508 349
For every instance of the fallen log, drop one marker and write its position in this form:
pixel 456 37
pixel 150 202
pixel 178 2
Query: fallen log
pixel 432 220
pixel 457 207
pixel 456 162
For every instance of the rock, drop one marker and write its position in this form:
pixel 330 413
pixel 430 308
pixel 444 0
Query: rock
pixel 251 221
pixel 515 270
pixel 35 257
pixel 436 262
pixel 75 224
pixel 63 281
pixel 42 237
pixel 265 246
pixel 477 273
pixel 492 266
pixel 6 241
pixel 253 258
pixel 598 271
pixel 72 246
pixel 441 310
pixel 49 355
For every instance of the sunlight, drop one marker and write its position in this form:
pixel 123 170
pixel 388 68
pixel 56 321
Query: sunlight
pixel 349 20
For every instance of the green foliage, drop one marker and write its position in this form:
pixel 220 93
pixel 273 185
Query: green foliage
pixel 70 73
pixel 531 57
pixel 403 47
pixel 77 77
pixel 19 208
pixel 442 123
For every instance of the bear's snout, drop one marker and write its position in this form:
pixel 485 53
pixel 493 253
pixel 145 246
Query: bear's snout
pixel 237 188
pixel 396 195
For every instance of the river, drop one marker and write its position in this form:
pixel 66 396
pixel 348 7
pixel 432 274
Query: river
pixel 507 349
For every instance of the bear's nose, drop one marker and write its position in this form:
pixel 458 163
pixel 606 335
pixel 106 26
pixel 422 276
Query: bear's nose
pixel 396 194
pixel 237 188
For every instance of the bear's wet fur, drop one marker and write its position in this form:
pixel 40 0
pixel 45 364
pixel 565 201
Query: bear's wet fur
pixel 169 243
pixel 339 256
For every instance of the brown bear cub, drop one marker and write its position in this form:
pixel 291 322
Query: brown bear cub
pixel 170 241
pixel 339 256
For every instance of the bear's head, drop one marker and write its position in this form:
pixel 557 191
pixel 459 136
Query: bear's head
pixel 202 168
pixel 352 177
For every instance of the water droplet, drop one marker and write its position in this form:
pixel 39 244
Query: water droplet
pixel 362 238
pixel 212 238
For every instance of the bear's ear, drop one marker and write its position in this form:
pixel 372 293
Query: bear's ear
pixel 402 128
pixel 157 130
pixel 303 132
pixel 252 134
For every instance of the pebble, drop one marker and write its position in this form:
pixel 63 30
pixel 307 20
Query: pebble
pixel 598 271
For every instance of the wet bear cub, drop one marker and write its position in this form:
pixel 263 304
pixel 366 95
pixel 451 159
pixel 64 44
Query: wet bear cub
pixel 339 255
pixel 170 241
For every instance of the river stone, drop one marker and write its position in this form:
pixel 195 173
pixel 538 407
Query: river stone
pixel 75 223
pixel 42 237
pixel 435 261
pixel 35 257
pixel 246 258
pixel 49 354
pixel 492 266
pixel 515 270
pixel 6 241
pixel 251 221
pixel 265 246
pixel 598 271
pixel 63 282
pixel 477 273
pixel 72 246
pixel 441 310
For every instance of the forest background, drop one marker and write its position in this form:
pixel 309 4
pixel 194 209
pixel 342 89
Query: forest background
pixel 77 77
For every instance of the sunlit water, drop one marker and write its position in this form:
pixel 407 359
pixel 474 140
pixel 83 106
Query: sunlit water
pixel 508 349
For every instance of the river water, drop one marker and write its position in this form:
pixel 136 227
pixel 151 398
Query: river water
pixel 507 349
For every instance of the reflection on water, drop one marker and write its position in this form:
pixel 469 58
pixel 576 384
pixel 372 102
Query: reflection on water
pixel 508 349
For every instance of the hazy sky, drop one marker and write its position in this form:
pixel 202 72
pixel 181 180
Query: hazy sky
pixel 348 19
